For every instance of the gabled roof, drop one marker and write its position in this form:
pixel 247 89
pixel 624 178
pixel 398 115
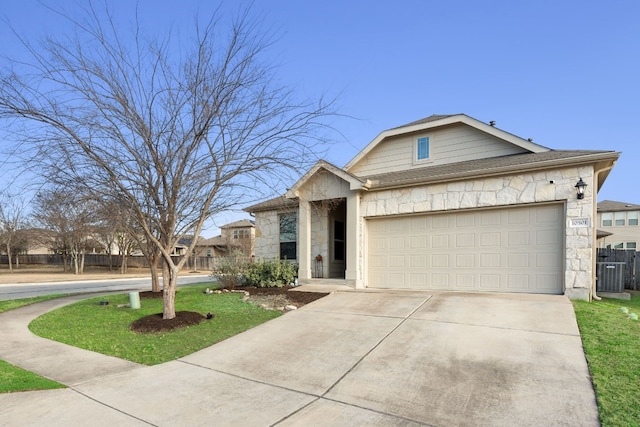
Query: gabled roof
pixel 487 167
pixel 435 121
pixel 239 224
pixel 613 206
pixel 280 202
pixel 355 183
pixel 213 241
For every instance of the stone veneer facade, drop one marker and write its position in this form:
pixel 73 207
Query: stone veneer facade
pixel 557 185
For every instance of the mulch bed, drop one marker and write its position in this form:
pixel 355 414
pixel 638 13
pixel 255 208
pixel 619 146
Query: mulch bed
pixel 155 323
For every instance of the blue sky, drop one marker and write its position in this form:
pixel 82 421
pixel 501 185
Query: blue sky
pixel 565 73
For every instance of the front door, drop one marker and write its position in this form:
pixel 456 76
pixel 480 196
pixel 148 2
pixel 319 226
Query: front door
pixel 338 248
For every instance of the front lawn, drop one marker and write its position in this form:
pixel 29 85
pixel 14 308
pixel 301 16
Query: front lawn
pixel 105 328
pixel 13 378
pixel 17 303
pixel 611 342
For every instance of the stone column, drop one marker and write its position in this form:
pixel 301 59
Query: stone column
pixel 353 275
pixel 304 240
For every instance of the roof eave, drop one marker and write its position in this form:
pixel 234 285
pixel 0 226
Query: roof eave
pixel 483 173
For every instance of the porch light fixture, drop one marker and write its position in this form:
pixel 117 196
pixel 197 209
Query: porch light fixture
pixel 580 186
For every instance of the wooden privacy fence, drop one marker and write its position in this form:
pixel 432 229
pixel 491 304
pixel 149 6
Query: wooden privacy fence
pixel 100 260
pixel 611 259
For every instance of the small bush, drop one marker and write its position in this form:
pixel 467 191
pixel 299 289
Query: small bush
pixel 231 270
pixel 269 274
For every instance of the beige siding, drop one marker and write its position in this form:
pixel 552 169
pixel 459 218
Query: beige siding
pixel 621 234
pixel 446 145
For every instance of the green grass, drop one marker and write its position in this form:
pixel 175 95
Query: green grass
pixel 612 346
pixel 17 303
pixel 105 328
pixel 14 379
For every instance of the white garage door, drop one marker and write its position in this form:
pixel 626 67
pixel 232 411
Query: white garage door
pixel 500 250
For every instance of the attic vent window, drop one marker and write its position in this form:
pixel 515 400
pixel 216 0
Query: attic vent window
pixel 423 148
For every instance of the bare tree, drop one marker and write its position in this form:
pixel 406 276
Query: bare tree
pixel 72 218
pixel 173 135
pixel 13 221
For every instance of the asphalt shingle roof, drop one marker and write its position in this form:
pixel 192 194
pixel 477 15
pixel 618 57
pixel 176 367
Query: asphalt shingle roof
pixel 479 167
pixel 280 202
pixel 613 206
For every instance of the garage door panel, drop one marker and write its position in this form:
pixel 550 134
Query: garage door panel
pixel 466 240
pixel 489 260
pixel 465 281
pixel 490 282
pixel 518 238
pixel 440 241
pixel 465 220
pixel 418 261
pixel 397 280
pixel 518 282
pixel 518 260
pixel 548 214
pixel 418 242
pixel 547 238
pixel 465 260
pixel 490 239
pixel 440 261
pixel 490 218
pixel 507 250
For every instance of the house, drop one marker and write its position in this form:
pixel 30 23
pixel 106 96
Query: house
pixel 618 223
pixel 236 236
pixel 444 203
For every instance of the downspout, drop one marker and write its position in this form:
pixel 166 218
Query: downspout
pixel 594 216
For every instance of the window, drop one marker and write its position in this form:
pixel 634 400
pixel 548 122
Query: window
pixel 618 246
pixel 288 236
pixel 632 218
pixel 240 234
pixel 607 219
pixel 338 241
pixel 631 245
pixel 209 252
pixel 619 218
pixel 423 148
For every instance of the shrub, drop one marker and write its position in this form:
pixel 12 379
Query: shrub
pixel 230 271
pixel 269 274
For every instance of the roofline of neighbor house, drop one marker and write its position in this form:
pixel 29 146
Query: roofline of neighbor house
pixel 445 121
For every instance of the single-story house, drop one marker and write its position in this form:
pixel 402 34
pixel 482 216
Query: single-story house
pixel 444 203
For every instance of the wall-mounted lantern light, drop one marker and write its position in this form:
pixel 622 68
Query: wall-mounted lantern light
pixel 580 186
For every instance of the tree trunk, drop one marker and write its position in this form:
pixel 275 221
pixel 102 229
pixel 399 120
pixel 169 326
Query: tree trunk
pixel 155 282
pixel 82 262
pixel 169 293
pixel 123 265
pixel 9 258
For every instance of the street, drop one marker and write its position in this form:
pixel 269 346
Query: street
pixel 27 290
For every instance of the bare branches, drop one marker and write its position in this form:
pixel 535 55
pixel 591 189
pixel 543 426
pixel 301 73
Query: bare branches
pixel 173 138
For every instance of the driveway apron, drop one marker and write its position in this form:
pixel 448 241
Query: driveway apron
pixel 355 358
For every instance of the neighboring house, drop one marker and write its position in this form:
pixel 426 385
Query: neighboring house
pixel 619 221
pixel 236 236
pixel 444 203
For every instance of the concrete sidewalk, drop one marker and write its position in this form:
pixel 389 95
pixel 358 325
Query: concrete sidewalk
pixel 352 358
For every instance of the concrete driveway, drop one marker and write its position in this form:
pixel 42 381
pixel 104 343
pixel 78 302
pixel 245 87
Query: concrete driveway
pixel 350 359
